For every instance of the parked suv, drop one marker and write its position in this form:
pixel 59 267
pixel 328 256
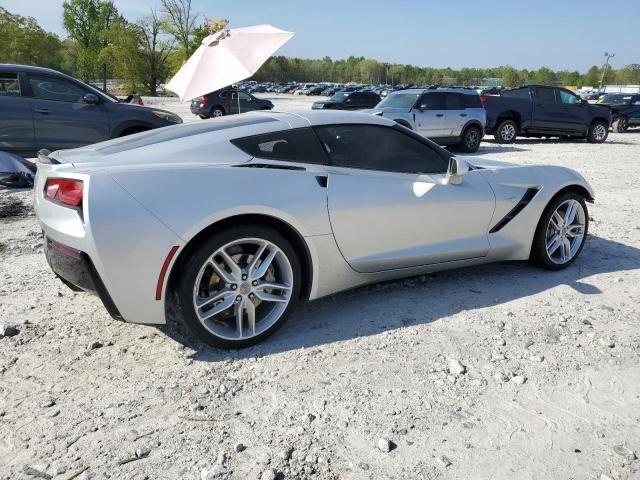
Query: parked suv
pixel 542 111
pixel 225 102
pixel 448 116
pixel 42 108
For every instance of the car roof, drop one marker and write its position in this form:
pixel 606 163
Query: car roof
pixel 417 91
pixel 27 68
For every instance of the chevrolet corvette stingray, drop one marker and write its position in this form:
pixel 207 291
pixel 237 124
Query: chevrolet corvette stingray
pixel 233 221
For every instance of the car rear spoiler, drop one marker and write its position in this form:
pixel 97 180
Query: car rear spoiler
pixel 43 157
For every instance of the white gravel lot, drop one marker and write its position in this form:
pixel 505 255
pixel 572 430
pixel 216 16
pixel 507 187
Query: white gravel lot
pixel 362 385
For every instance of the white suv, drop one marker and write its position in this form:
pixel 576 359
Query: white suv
pixel 448 116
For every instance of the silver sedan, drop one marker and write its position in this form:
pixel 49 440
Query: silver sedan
pixel 234 221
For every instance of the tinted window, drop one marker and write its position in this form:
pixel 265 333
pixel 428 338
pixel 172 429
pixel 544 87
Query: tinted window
pixel 399 100
pixel 455 101
pixel 52 88
pixel 297 145
pixel 9 84
pixel 545 94
pixel 472 101
pixel 518 93
pixel 568 98
pixel 376 147
pixel 434 101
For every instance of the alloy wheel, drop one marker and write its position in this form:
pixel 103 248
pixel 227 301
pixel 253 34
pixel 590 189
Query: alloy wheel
pixel 565 232
pixel 600 132
pixel 243 289
pixel 507 132
pixel 473 139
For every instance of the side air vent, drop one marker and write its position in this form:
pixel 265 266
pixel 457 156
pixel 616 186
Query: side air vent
pixel 270 165
pixel 524 201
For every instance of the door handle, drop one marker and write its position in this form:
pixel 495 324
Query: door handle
pixel 41 110
pixel 439 114
pixel 463 114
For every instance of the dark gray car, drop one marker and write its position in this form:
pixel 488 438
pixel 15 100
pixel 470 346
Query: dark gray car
pixel 42 108
pixel 225 102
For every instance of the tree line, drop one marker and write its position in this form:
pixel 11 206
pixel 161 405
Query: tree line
pixel 146 52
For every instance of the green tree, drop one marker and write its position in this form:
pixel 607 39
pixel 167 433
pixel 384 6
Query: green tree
pixel 180 21
pixel 25 42
pixel 88 23
pixel 154 50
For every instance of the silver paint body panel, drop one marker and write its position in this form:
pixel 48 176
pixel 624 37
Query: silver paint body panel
pixel 145 195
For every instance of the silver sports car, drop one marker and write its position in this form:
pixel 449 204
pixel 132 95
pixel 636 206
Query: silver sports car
pixel 233 221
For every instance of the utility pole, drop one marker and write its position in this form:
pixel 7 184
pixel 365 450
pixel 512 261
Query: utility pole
pixel 605 66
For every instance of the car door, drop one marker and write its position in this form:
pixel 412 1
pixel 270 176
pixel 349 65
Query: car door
pixel 430 115
pixel 16 119
pixel 455 116
pixel 574 115
pixel 546 110
pixel 61 118
pixel 389 205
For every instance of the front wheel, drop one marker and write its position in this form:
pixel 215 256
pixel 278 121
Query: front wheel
pixel 598 132
pixel 470 140
pixel 506 132
pixel 561 232
pixel 237 287
pixel 216 112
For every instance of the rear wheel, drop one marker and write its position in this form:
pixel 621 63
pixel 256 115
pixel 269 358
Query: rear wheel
pixel 216 112
pixel 598 132
pixel 238 287
pixel 620 124
pixel 506 132
pixel 561 232
pixel 470 140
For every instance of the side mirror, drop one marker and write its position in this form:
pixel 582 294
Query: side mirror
pixel 91 99
pixel 456 170
pixel 423 107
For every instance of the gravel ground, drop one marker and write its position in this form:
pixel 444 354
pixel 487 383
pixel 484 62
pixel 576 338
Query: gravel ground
pixel 498 372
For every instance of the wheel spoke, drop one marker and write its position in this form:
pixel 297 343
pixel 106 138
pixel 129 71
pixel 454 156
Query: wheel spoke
pixel 575 230
pixel 251 315
pixel 221 307
pixel 270 297
pixel 264 265
pixel 216 296
pixel 256 258
pixel 566 249
pixel 236 271
pixel 553 244
pixel 273 286
pixel 570 214
pixel 239 311
pixel 557 220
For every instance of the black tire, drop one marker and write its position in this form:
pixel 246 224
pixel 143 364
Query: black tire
pixel 506 132
pixel 539 256
pixel 190 268
pixel 620 124
pixel 216 112
pixel 470 139
pixel 598 132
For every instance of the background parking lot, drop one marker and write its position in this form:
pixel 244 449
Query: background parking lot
pixel 502 371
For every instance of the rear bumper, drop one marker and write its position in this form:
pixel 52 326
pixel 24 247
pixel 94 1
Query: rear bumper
pixel 76 270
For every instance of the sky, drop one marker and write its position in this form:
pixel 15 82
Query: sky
pixel 567 34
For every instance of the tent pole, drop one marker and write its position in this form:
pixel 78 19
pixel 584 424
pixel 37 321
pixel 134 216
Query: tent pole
pixel 238 90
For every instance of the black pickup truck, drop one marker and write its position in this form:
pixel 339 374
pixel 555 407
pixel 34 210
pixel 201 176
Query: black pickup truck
pixel 625 110
pixel 541 111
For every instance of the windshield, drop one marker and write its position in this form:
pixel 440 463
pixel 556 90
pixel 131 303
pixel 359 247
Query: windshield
pixel 615 99
pixel 399 100
pixel 339 97
pixel 100 92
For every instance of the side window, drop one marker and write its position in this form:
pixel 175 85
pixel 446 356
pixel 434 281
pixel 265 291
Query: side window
pixel 9 84
pixel 58 89
pixel 244 96
pixel 518 93
pixel 297 145
pixel 375 147
pixel 223 94
pixel 454 101
pixel 545 94
pixel 472 101
pixel 434 101
pixel 568 98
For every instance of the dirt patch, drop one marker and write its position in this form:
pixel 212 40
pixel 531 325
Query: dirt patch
pixel 13 207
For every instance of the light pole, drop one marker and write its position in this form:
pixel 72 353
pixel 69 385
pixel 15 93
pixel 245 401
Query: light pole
pixel 604 68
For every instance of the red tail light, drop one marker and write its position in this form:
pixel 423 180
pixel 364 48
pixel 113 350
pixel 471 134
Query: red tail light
pixel 483 100
pixel 140 102
pixel 203 100
pixel 64 191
